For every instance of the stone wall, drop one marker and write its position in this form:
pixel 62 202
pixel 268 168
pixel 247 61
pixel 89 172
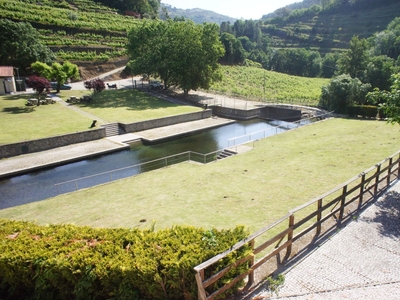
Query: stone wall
pixel 25 147
pixel 267 112
pixel 280 113
pixel 15 149
pixel 166 121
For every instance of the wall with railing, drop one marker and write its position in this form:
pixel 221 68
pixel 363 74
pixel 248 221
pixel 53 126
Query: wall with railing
pixel 104 177
pixel 288 239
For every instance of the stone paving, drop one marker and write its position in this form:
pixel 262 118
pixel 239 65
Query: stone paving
pixel 362 261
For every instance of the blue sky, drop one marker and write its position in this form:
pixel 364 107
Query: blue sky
pixel 247 9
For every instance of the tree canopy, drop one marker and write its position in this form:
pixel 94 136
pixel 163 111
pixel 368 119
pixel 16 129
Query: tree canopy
pixel 21 46
pixel 57 71
pixel 38 84
pixel 181 53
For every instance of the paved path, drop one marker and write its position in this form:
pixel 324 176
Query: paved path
pixel 362 261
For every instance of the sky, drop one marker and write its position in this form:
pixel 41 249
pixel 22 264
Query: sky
pixel 246 9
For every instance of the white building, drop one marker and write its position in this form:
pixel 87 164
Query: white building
pixel 7 80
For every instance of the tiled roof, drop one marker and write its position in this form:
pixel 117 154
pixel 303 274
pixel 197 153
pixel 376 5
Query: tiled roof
pixel 6 72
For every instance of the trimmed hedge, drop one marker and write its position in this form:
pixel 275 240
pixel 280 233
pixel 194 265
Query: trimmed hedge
pixel 365 111
pixel 73 262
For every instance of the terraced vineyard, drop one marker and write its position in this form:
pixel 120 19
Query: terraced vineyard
pixel 76 30
pixel 327 31
pixel 262 85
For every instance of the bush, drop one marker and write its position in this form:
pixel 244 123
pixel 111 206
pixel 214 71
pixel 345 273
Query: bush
pixel 72 262
pixel 365 111
pixel 342 92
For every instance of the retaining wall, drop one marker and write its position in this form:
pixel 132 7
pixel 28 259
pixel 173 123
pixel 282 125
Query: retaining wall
pixel 25 147
pixel 166 121
pixel 266 112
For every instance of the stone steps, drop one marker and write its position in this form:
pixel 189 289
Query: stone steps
pixel 113 129
pixel 225 154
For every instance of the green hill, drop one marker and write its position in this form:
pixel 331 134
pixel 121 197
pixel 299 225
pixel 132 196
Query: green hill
pixel 332 28
pixel 197 15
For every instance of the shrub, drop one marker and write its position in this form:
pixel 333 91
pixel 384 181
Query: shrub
pixel 72 262
pixel 365 111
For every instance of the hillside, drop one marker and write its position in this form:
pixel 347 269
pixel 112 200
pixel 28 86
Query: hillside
pixel 197 15
pixel 331 29
pixel 81 31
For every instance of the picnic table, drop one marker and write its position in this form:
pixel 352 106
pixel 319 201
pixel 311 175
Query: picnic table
pixel 73 99
pixel 32 101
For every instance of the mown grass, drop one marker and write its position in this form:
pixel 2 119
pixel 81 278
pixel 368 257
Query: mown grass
pixel 128 105
pixel 20 122
pixel 262 85
pixel 252 189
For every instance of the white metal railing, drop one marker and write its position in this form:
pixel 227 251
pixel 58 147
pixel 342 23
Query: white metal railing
pixel 104 177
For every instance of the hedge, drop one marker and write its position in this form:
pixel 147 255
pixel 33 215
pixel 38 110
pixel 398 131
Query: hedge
pixel 74 262
pixel 365 111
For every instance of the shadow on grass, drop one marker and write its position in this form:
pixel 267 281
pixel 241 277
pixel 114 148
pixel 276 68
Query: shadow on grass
pixel 21 96
pixel 19 110
pixel 129 99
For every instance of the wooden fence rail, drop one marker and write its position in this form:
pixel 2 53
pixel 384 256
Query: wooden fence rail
pixel 315 218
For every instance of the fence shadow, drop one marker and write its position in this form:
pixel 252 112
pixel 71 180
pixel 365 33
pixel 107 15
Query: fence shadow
pixel 388 215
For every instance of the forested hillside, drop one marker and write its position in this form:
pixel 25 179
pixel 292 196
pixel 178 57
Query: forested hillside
pixel 330 25
pixel 197 15
pixel 303 42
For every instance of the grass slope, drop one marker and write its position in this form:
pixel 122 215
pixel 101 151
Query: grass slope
pixel 262 85
pixel 252 189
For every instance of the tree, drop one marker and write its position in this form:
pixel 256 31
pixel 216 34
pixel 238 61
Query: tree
pixel 379 71
pixel 96 84
pixel 343 91
pixel 63 72
pixel 389 100
pixel 355 60
pixel 21 46
pixel 56 71
pixel 38 84
pixel 182 54
pixel 234 52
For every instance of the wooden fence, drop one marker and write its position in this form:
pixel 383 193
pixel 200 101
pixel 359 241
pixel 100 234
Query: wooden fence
pixel 287 239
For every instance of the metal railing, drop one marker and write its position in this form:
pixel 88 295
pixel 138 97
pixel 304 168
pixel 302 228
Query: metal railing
pixel 104 177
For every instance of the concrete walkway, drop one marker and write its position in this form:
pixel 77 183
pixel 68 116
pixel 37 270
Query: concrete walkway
pixel 362 261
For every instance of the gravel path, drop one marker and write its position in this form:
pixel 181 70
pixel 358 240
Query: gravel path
pixel 362 261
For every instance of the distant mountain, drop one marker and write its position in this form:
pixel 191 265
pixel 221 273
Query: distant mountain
pixel 197 15
pixel 288 8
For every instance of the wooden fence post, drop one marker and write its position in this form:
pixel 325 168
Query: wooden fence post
pixel 342 203
pixel 251 261
pixel 378 171
pixel 319 216
pixel 200 290
pixel 398 167
pixel 389 171
pixel 290 237
pixel 360 201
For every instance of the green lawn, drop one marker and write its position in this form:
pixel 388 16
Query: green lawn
pixel 252 189
pixel 128 106
pixel 20 122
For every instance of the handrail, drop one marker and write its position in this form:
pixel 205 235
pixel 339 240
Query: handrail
pixel 141 166
pixel 382 175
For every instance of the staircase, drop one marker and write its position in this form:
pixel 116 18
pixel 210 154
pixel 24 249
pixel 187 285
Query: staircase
pixel 113 129
pixel 226 153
